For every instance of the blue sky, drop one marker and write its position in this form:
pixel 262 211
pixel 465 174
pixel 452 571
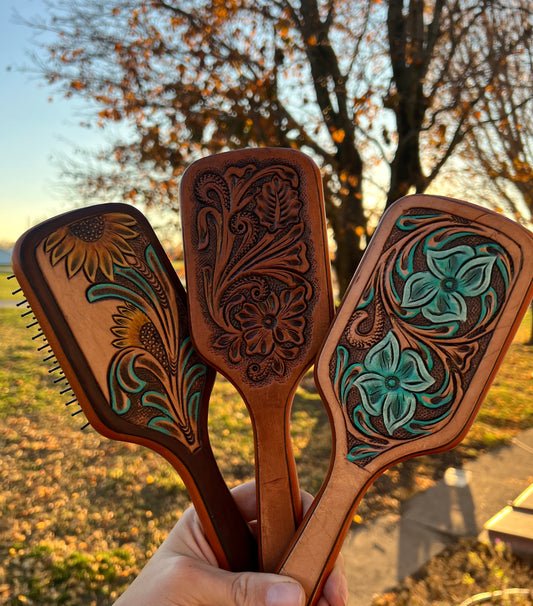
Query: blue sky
pixel 34 132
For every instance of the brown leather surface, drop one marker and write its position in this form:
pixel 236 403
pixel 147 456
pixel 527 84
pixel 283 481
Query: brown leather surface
pixel 411 353
pixel 257 268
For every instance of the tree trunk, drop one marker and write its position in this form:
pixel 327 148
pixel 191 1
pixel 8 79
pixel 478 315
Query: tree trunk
pixel 348 223
pixel 408 39
pixel 349 251
pixel 406 170
pixel 348 220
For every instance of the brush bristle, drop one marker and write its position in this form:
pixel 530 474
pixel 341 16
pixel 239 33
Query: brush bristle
pixel 50 358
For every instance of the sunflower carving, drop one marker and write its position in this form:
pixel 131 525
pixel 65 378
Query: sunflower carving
pixel 133 328
pixel 92 244
pixel 155 379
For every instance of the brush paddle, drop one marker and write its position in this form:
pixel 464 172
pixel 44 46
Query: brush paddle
pixel 114 314
pixel 411 353
pixel 260 303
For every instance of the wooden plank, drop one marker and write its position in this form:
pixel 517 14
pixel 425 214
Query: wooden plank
pixel 513 527
pixel 524 502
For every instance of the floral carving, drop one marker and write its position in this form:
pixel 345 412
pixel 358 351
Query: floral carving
pixel 255 266
pixel 453 275
pixel 155 379
pixel 95 243
pixel 150 345
pixel 274 327
pixel 421 327
pixel 392 382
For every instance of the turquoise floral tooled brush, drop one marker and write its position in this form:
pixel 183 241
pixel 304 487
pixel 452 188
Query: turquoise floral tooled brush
pixel 411 353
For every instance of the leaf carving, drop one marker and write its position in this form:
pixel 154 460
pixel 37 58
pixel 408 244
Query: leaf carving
pixel 278 204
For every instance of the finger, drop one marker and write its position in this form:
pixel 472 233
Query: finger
pixel 307 500
pixel 335 591
pixel 187 538
pixel 245 497
pixel 198 584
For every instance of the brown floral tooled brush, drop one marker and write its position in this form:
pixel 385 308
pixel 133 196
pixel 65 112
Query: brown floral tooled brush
pixel 257 267
pixel 113 313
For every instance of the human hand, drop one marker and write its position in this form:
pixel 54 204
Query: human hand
pixel 184 571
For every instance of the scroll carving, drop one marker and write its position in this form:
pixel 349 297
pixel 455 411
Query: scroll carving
pixel 255 266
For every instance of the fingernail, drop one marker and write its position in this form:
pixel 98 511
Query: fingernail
pixel 284 594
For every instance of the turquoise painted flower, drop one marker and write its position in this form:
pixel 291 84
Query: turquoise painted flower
pixel 391 382
pixel 453 274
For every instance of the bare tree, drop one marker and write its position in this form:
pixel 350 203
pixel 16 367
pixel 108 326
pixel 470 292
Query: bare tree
pixel 500 137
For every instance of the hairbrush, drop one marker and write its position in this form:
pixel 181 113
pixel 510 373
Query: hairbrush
pixel 413 349
pixel 113 314
pixel 257 269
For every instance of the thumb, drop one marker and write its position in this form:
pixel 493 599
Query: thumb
pixel 256 589
pixel 208 586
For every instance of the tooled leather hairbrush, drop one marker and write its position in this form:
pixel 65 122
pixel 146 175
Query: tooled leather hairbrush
pixel 113 313
pixel 257 268
pixel 411 353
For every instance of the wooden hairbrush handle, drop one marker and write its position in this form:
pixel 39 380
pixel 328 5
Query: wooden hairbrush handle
pixel 411 353
pixel 115 315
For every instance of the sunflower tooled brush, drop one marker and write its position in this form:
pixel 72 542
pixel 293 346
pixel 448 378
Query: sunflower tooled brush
pixel 113 313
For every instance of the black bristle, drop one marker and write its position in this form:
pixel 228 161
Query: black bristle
pixel 51 356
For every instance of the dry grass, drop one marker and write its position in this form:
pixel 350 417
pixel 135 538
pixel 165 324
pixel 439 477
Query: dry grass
pixel 80 515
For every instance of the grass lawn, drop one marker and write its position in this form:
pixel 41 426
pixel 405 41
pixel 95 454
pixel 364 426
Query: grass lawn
pixel 7 286
pixel 80 515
